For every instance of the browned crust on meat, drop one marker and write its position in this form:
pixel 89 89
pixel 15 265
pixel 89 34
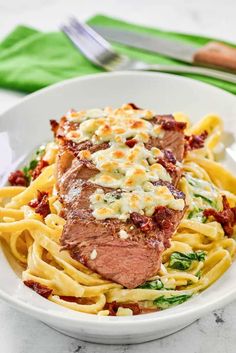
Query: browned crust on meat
pixel 173 139
pixel 130 261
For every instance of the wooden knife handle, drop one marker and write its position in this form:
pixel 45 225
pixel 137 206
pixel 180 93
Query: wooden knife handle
pixel 217 55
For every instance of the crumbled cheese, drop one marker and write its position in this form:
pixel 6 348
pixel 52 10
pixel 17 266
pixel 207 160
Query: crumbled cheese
pixel 127 168
pixel 105 125
pixel 81 116
pixel 93 254
pixel 103 313
pixel 72 194
pixel 132 170
pixel 85 154
pixel 123 234
pixel 50 152
pixel 74 136
pixel 120 205
pixel 95 113
pixel 124 312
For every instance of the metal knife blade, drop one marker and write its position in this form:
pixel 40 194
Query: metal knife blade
pixel 170 48
pixel 214 54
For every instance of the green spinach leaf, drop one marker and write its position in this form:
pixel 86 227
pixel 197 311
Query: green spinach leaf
pixel 181 261
pixel 156 284
pixel 210 202
pixel 165 302
pixel 33 163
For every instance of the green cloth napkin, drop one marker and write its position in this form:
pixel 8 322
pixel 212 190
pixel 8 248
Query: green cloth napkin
pixel 30 59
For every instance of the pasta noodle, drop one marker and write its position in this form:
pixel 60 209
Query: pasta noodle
pixel 34 241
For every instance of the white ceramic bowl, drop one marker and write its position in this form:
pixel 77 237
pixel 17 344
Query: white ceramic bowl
pixel 25 126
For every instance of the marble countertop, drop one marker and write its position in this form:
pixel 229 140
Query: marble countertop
pixel 215 332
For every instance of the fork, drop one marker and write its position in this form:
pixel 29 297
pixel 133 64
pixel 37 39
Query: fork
pixel 101 53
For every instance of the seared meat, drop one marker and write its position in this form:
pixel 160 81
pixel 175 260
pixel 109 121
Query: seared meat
pixel 79 169
pixel 64 161
pixel 173 138
pixel 127 252
pixel 75 148
pixel 126 261
pixel 97 245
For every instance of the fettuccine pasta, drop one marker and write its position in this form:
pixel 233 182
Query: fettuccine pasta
pixel 199 254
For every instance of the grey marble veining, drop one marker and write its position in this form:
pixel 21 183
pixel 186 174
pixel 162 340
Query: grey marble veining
pixel 215 332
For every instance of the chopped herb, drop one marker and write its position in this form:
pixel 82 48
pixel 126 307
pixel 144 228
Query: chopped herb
pixel 117 196
pixel 193 213
pixel 198 274
pixel 197 213
pixel 204 219
pixel 111 197
pixel 27 169
pixel 33 163
pixel 200 255
pixel 183 262
pixel 191 182
pixel 165 302
pixel 156 284
pixel 204 198
pixel 40 151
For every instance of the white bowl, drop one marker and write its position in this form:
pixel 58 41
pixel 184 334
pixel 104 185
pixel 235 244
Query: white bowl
pixel 25 126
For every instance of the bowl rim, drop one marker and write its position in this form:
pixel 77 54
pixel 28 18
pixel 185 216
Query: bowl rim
pixel 194 311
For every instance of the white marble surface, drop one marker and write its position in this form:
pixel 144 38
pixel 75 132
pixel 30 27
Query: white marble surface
pixel 214 332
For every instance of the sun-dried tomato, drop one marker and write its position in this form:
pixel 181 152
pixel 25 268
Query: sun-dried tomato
pixel 38 170
pixel 39 288
pixel 131 143
pixel 41 204
pixel 114 306
pixel 163 217
pixel 226 217
pixel 17 178
pixel 169 123
pixel 143 222
pixel 194 142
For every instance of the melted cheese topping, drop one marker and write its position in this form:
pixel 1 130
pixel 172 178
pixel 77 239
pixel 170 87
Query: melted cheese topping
pixel 123 234
pixel 120 205
pixel 83 115
pixel 127 168
pixel 93 254
pixel 116 125
pixel 131 170
pixel 126 109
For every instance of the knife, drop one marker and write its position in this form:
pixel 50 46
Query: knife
pixel 213 54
